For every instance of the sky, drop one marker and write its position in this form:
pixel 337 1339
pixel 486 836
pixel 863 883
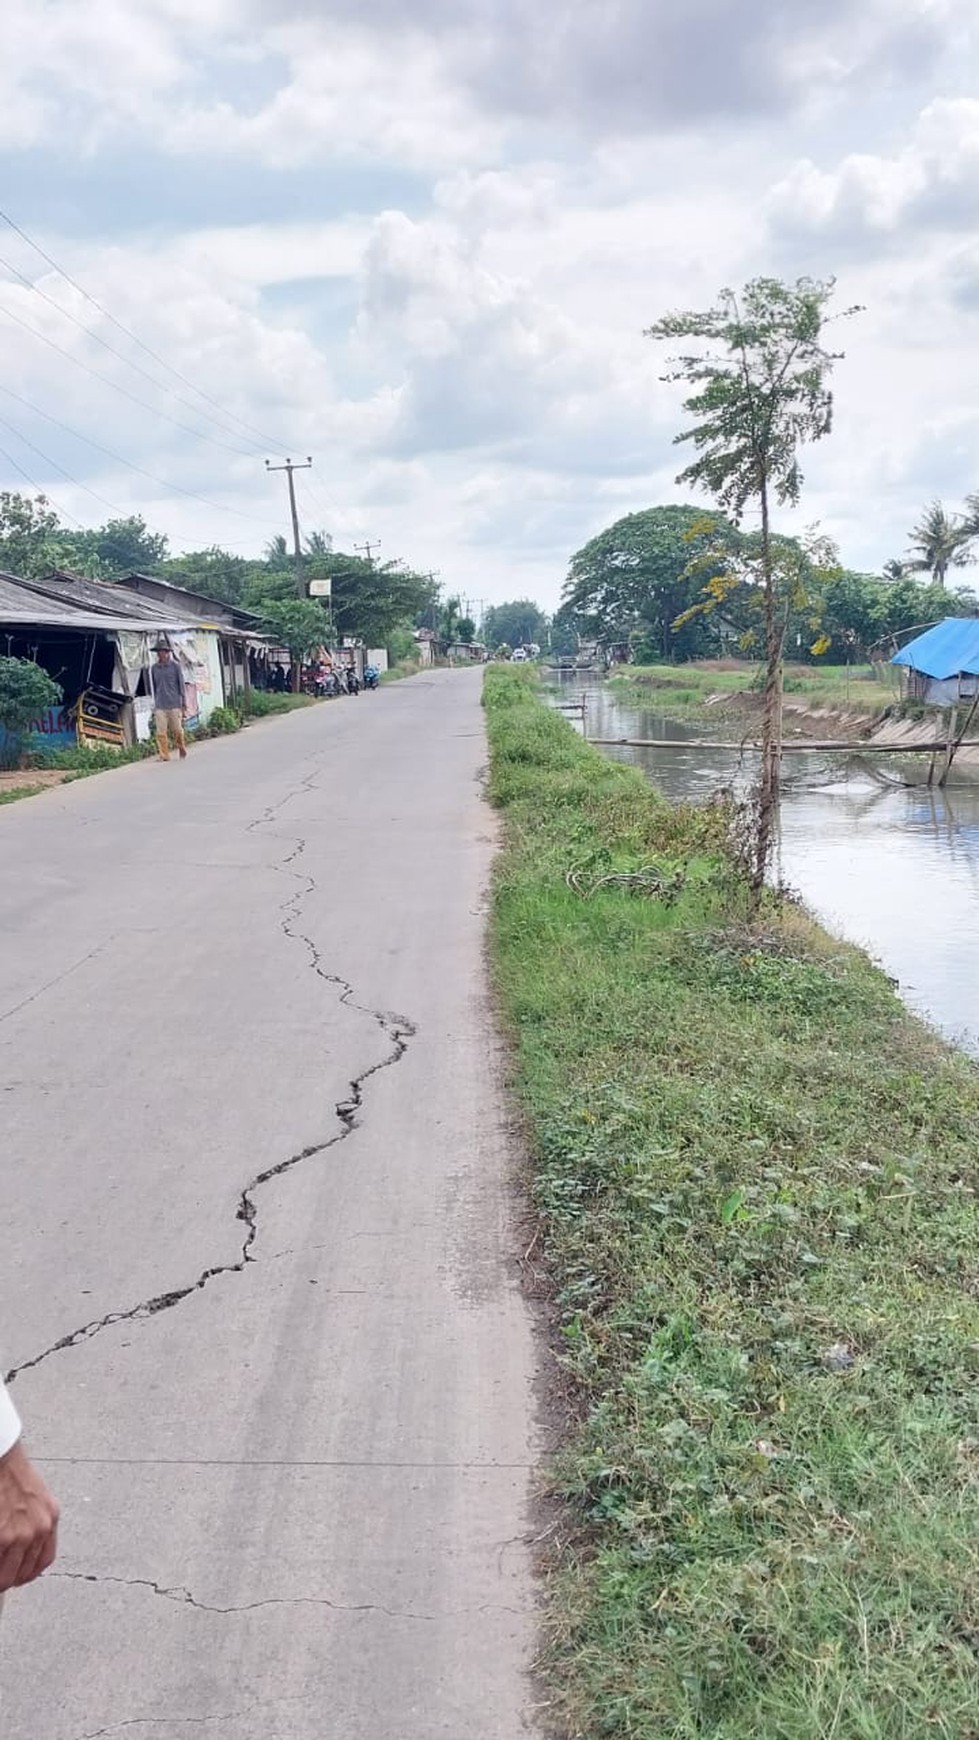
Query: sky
pixel 421 245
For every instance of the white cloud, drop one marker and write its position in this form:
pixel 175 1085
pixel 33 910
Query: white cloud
pixel 931 182
pixel 469 373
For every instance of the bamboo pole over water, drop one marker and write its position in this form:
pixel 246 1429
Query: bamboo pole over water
pixel 797 748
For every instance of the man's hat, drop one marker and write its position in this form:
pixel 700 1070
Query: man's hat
pixel 162 645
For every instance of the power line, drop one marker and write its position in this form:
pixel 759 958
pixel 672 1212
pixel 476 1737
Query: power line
pixel 113 508
pixel 38 487
pixel 262 439
pixel 161 386
pixel 107 381
pixel 130 463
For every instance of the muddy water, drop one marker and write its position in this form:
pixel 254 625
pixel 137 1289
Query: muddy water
pixel 893 868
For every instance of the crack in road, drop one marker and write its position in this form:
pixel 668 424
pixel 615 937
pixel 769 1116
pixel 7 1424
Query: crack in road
pixel 397 1029
pixel 184 1598
pixel 190 1721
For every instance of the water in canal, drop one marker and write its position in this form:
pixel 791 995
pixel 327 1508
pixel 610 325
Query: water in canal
pixel 893 868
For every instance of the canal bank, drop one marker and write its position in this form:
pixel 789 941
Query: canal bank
pixel 889 865
pixel 754 1175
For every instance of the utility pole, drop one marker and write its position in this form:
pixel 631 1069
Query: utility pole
pixel 369 549
pixel 289 467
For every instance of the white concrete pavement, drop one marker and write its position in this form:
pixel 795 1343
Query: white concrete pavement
pixel 258 1249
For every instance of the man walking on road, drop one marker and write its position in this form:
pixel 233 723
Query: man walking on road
pixel 28 1513
pixel 169 702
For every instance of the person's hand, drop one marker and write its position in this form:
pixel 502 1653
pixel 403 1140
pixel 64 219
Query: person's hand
pixel 28 1521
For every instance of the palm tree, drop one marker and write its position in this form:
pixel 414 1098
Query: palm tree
pixel 277 552
pixel 319 544
pixel 939 542
pixel 894 569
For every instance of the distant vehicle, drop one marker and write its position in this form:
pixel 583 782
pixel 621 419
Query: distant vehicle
pixel 519 655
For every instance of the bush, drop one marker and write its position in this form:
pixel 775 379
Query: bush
pixel 25 691
pixel 222 722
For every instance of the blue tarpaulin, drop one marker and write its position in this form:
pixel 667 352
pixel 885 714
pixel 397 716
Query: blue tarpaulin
pixel 950 649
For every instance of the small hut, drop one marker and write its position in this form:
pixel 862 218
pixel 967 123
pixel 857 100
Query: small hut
pixel 941 666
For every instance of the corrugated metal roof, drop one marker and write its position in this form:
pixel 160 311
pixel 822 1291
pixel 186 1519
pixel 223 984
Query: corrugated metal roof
pixel 221 612
pixel 950 649
pixel 102 595
pixel 50 604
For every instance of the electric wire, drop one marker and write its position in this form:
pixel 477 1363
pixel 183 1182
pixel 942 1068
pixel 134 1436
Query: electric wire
pixel 154 410
pixel 130 463
pixel 36 486
pixel 264 440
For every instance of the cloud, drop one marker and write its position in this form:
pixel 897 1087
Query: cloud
pixel 627 66
pixel 422 244
pixel 872 202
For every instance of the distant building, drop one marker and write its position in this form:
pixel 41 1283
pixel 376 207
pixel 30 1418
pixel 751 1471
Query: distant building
pixel 941 666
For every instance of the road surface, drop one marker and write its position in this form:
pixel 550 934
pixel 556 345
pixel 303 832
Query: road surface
pixel 258 1280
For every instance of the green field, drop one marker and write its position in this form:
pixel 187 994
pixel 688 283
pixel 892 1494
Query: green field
pixel 755 1178
pixel 686 689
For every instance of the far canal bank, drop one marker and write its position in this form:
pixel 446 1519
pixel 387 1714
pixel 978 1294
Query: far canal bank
pixel 891 866
pixel 754 1175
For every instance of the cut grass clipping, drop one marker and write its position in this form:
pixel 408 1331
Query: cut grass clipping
pixel 756 1180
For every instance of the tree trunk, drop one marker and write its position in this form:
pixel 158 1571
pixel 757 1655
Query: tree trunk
pixel 297 671
pixel 771 722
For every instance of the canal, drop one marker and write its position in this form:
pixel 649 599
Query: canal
pixel 890 866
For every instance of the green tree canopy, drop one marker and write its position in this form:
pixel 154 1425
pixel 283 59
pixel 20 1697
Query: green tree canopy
pixel 371 599
pixel 520 622
pixel 634 580
pixel 301 624
pixel 28 530
pixel 121 546
pixel 215 573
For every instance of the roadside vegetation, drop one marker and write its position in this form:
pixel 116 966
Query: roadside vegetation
pixel 712 687
pixel 755 1177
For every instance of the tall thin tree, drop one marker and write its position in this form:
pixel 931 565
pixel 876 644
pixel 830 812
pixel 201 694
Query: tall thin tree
pixel 759 393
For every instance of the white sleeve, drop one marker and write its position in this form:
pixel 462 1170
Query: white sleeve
pixel 9 1421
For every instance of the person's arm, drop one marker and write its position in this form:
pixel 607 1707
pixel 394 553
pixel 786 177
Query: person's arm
pixel 28 1512
pixel 183 686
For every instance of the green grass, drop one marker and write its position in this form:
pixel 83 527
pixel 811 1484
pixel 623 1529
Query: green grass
pixel 403 668
pixel 85 758
pixel 685 689
pixel 755 1175
pixel 263 704
pixel 11 794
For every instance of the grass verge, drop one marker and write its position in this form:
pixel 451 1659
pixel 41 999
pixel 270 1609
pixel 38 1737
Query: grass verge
pixel 702 690
pixel 755 1175
pixel 265 703
pixel 12 794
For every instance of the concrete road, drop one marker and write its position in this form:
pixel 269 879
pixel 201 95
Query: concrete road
pixel 258 1248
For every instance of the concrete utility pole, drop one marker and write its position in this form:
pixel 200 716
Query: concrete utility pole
pixel 369 548
pixel 289 467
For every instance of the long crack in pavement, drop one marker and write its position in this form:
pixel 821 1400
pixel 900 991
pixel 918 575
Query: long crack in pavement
pixel 396 1028
pixel 184 1598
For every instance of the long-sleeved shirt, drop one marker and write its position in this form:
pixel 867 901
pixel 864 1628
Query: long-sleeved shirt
pixel 168 684
pixel 9 1421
